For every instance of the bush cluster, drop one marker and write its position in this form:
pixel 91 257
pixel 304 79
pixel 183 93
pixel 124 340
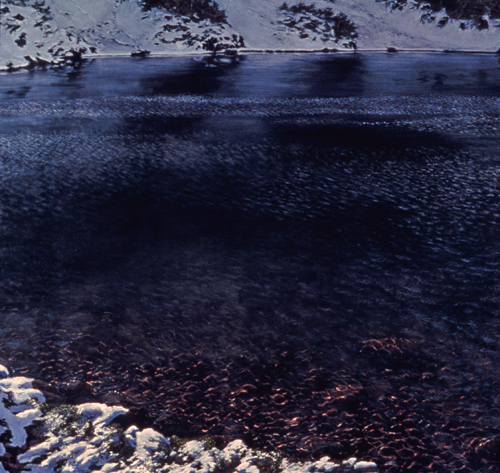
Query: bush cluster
pixel 456 9
pixel 323 21
pixel 194 9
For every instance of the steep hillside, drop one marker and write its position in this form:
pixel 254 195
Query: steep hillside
pixel 41 32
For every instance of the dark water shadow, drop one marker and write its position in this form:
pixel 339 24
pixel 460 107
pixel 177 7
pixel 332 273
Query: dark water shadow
pixel 359 136
pixel 339 77
pixel 20 93
pixel 200 77
pixel 155 127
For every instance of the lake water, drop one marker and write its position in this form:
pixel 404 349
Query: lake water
pixel 324 228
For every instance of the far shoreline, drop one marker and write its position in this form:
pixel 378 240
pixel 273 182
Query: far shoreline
pixel 33 65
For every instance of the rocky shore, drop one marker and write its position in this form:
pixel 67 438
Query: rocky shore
pixel 40 438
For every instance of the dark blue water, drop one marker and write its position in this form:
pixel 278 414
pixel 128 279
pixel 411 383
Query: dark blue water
pixel 265 76
pixel 273 208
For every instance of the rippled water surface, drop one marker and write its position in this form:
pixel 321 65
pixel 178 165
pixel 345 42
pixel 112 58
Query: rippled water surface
pixel 299 250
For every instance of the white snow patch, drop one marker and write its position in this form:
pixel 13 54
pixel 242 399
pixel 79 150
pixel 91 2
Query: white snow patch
pixel 130 435
pixel 100 413
pixel 148 441
pixel 17 408
pixel 4 372
pixel 365 466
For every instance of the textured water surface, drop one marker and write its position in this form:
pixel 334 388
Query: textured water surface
pixel 312 272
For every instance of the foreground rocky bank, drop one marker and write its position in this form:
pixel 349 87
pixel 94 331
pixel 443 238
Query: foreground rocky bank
pixel 88 437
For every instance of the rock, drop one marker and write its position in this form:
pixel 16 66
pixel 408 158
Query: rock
pixel 4 372
pixel 142 53
pixel 75 390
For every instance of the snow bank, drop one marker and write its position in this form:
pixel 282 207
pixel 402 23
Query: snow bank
pixel 87 438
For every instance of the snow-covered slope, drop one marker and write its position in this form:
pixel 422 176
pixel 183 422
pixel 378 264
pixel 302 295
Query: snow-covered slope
pixel 378 27
pixel 35 31
pixel 47 30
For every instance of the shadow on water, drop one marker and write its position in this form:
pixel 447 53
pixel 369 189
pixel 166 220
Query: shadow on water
pixel 338 77
pixel 315 76
pixel 21 93
pixel 361 136
pixel 154 128
pixel 76 74
pixel 116 77
pixel 292 194
pixel 202 77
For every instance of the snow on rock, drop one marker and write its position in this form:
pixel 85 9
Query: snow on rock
pixel 4 372
pixel 86 438
pixel 322 24
pixel 100 414
pixel 18 409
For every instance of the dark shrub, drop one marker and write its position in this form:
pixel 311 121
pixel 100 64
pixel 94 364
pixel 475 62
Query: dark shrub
pixel 195 9
pixel 456 9
pixel 321 21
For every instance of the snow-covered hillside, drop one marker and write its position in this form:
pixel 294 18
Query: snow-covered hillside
pixel 54 31
pixel 47 30
pixel 378 27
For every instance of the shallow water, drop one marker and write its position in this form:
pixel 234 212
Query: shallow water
pixel 320 222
